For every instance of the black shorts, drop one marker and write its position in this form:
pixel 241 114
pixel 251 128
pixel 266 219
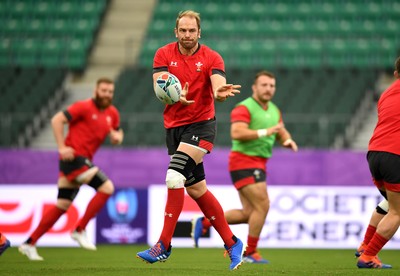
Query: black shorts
pixel 71 169
pixel 200 134
pixel 385 169
pixel 241 178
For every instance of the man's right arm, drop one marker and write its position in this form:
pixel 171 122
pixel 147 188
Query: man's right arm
pixel 57 122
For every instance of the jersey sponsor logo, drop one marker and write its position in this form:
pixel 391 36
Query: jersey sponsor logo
pixel 198 65
pixel 174 64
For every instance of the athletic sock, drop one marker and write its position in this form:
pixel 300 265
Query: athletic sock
pixel 92 209
pixel 212 210
pixel 251 244
pixel 375 245
pixel 369 234
pixel 206 223
pixel 173 209
pixel 47 221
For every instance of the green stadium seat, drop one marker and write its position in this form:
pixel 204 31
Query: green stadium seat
pixel 39 20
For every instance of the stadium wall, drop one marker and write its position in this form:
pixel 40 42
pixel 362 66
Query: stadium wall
pixel 319 198
pixel 139 168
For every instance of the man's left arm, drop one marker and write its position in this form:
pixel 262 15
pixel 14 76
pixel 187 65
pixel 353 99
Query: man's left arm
pixel 223 91
pixel 116 136
pixel 286 140
pixel 116 133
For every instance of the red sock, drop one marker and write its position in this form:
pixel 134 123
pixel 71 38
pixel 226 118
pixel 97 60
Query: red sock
pixel 173 209
pixel 212 210
pixel 369 234
pixel 47 221
pixel 206 223
pixel 92 209
pixel 375 245
pixel 251 244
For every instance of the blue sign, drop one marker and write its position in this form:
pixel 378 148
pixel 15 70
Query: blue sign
pixel 124 218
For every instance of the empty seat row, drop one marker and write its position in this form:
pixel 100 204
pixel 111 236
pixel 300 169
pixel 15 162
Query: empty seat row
pixel 263 9
pixel 41 27
pixel 49 8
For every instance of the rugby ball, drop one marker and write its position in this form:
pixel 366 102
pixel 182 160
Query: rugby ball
pixel 168 88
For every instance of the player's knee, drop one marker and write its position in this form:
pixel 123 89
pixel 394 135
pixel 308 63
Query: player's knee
pixel 63 204
pixel 196 176
pixel 180 168
pixel 98 180
pixel 107 187
pixel 65 197
pixel 174 179
pixel 383 207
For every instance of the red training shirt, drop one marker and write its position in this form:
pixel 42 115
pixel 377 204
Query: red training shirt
pixel 89 126
pixel 196 70
pixel 386 136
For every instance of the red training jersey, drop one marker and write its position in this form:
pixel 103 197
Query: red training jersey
pixel 196 70
pixel 386 136
pixel 89 126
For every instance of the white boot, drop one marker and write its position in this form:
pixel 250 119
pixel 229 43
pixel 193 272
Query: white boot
pixel 29 251
pixel 83 240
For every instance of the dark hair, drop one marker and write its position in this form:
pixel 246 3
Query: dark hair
pixel 104 80
pixel 397 65
pixel 263 73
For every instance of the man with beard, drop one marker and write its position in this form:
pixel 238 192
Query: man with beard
pixel 190 132
pixel 256 123
pixel 90 122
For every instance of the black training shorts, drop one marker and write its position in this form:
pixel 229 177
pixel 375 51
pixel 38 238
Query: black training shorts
pixel 385 169
pixel 201 134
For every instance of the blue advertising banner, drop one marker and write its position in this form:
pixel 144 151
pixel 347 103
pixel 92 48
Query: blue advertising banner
pixel 124 218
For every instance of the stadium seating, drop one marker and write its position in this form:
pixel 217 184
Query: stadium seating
pixel 23 93
pixel 48 33
pixel 326 56
pixel 305 33
pixel 40 41
pixel 316 103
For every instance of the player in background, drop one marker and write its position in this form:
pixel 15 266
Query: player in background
pixel 384 161
pixel 377 215
pixel 256 123
pixel 190 131
pixel 90 122
pixel 4 243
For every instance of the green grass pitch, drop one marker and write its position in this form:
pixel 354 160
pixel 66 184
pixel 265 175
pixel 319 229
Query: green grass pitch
pixel 121 260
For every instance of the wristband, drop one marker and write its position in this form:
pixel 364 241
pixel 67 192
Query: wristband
pixel 262 132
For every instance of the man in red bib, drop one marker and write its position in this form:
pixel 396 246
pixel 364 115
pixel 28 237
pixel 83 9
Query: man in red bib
pixel 256 123
pixel 90 122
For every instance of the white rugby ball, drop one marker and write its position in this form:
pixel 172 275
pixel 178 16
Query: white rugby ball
pixel 168 88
